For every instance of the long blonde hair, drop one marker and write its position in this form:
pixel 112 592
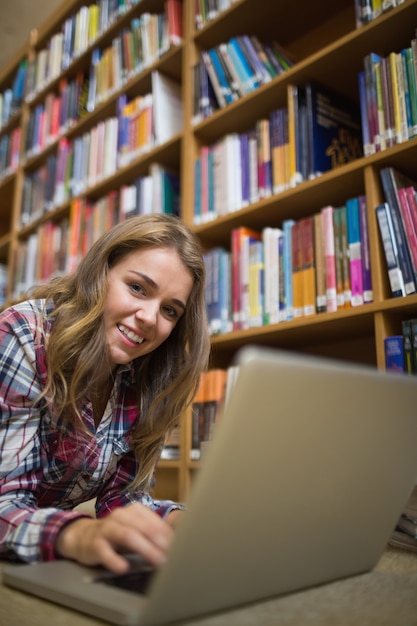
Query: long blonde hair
pixel 167 378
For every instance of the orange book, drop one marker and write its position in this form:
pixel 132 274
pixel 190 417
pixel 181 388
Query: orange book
pixel 308 263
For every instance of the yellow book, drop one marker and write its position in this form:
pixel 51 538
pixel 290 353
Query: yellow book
pixel 395 97
pixel 93 16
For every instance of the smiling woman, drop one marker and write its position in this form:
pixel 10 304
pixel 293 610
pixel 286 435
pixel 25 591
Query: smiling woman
pixel 95 369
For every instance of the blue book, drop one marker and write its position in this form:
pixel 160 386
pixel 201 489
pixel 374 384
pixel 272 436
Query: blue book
pixel 394 354
pixel 246 74
pixel 366 138
pixel 197 191
pixel 355 250
pixel 224 84
pixel 365 251
pixel 334 130
pixel 287 226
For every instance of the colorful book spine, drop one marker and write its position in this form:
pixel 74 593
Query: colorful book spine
pixel 355 251
pixel 329 258
pixel 394 354
pixel 396 280
pixel 368 294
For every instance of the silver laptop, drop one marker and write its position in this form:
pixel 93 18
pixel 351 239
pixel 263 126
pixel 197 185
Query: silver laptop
pixel 304 481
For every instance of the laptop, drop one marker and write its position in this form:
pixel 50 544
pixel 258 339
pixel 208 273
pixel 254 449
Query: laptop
pixel 304 481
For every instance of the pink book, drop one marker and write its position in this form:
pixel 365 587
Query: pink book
pixel 329 256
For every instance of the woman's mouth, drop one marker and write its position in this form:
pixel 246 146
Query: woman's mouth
pixel 130 334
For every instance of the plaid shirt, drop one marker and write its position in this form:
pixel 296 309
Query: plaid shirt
pixel 43 475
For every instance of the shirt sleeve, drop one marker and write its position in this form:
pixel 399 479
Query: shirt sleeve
pixel 26 531
pixel 116 491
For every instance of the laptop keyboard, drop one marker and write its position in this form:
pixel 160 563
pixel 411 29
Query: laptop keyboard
pixel 137 579
pixel 131 581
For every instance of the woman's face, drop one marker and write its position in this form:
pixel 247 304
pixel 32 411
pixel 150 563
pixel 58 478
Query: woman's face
pixel 147 294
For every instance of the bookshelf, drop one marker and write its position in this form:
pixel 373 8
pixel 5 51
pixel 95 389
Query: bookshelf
pixel 329 49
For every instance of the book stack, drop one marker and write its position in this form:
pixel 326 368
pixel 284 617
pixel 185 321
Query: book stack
pixel 9 152
pixel 317 131
pixel 207 408
pixel 320 263
pixel 397 220
pixel 388 98
pixel 58 113
pixel 207 10
pixel 401 350
pixel 233 69
pixel 134 48
pixel 52 238
pixel 80 164
pixel 368 10
pixel 11 98
pixel 157 192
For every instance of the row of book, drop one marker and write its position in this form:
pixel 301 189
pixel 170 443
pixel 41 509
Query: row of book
pixel 157 192
pixel 56 247
pixel 11 98
pixel 314 133
pixel 207 10
pixel 368 10
pixel 388 98
pixel 136 47
pixel 233 69
pixel 81 163
pixel 207 408
pixel 60 111
pixel 41 256
pixel 317 264
pixel 401 350
pixel 9 152
pixel 397 221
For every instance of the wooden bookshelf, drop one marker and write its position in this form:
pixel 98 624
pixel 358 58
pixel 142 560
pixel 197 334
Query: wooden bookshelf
pixel 330 50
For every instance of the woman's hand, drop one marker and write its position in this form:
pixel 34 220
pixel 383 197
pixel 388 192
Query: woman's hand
pixel 134 528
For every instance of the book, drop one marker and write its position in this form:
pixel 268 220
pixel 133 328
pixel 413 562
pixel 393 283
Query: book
pixel 168 115
pixel 297 270
pixel 287 312
pixel 207 407
pixel 329 258
pixel 256 282
pixel 368 295
pixel 389 244
pixel 344 242
pixel 392 180
pixel 320 264
pixel 394 354
pixel 413 324
pixel 270 237
pixel 334 130
pixel 409 365
pixel 226 87
pixel 338 255
pixel 409 227
pixel 241 237
pixel 308 265
pixel 355 251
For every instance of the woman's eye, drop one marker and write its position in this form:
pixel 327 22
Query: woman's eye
pixel 137 288
pixel 171 312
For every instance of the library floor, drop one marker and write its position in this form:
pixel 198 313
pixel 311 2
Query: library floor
pixel 384 597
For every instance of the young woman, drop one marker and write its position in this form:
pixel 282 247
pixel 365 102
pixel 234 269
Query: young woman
pixel 95 369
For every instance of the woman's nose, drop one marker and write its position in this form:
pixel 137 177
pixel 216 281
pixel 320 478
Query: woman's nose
pixel 147 312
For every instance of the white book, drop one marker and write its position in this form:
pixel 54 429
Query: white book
pixel 168 110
